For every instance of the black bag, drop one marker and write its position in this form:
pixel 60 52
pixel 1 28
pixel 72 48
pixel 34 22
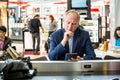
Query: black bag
pixel 30 27
pixel 17 69
pixel 47 45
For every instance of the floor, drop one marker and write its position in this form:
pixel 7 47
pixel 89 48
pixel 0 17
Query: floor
pixel 19 49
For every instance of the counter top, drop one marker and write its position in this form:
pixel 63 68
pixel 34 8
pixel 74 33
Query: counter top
pixel 113 75
pixel 76 70
pixel 78 76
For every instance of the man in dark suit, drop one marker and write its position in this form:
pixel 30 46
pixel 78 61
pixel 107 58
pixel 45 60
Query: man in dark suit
pixel 71 39
pixel 4 40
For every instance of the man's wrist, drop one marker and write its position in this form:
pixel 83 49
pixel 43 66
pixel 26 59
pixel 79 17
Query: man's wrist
pixel 63 42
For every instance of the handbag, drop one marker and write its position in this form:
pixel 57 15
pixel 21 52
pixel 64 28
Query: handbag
pixel 12 52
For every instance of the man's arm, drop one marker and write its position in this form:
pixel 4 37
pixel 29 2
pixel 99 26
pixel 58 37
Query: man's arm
pixel 40 25
pixel 57 51
pixel 7 43
pixel 67 36
pixel 42 29
pixel 89 51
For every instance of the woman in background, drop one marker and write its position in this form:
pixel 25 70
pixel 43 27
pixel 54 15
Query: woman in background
pixel 52 27
pixel 52 24
pixel 117 36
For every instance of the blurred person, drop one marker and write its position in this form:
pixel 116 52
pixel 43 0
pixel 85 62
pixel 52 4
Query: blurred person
pixel 4 40
pixel 52 25
pixel 26 21
pixel 117 36
pixel 12 14
pixel 1 22
pixel 71 39
pixel 19 20
pixel 34 25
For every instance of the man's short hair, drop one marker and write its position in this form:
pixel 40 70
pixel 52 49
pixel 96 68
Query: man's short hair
pixel 3 28
pixel 37 15
pixel 72 11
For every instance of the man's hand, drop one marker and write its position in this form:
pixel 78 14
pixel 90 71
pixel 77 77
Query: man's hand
pixel 76 59
pixel 67 36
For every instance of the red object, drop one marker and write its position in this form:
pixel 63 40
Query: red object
pixel 60 3
pixel 17 2
pixel 95 10
pixel 25 6
pixel 29 53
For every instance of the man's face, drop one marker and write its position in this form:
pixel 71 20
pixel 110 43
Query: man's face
pixel 71 22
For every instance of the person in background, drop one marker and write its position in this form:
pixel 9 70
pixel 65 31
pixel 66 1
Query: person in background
pixel 19 20
pixel 117 36
pixel 26 21
pixel 52 25
pixel 34 25
pixel 4 40
pixel 12 14
pixel 1 21
pixel 71 39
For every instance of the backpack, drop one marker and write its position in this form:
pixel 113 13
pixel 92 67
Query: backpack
pixel 30 28
pixel 47 45
pixel 17 69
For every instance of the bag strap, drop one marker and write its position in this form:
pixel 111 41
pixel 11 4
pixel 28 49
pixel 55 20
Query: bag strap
pixel 27 60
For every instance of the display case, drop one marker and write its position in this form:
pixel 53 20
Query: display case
pixel 92 27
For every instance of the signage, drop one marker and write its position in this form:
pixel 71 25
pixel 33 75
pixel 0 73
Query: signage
pixel 40 1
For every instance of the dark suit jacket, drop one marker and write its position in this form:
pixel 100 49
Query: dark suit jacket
pixel 81 45
pixel 7 42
